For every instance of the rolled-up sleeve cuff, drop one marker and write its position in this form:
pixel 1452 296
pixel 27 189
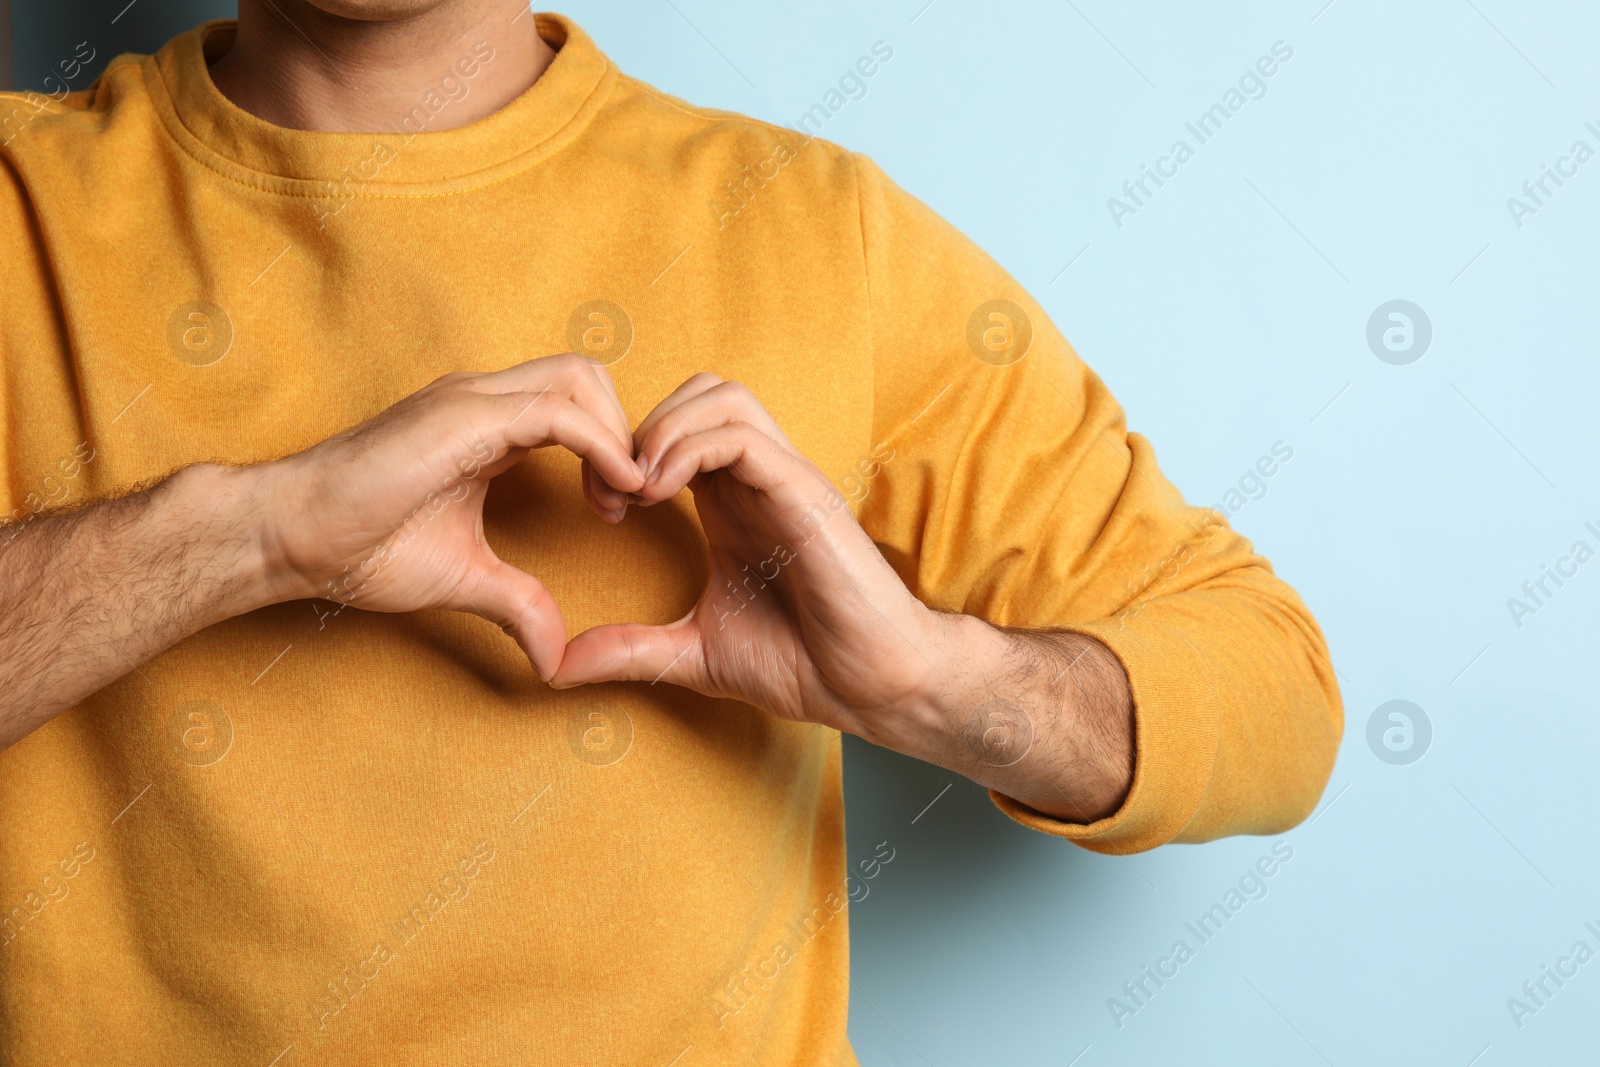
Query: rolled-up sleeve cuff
pixel 1176 732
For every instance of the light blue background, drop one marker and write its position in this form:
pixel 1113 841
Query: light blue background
pixel 1229 314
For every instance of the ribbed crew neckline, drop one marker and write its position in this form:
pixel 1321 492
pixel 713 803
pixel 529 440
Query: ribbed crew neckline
pixel 397 162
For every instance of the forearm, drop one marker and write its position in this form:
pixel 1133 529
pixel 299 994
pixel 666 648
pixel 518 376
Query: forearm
pixel 1044 717
pixel 88 595
pixel 388 514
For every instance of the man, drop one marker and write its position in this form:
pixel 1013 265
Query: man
pixel 277 791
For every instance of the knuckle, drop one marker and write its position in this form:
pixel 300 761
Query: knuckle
pixel 739 397
pixel 574 363
pixel 465 390
pixel 522 402
pixel 444 387
pixel 562 368
pixel 746 432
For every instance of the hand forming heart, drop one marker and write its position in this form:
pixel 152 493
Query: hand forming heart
pixel 802 616
pixel 388 515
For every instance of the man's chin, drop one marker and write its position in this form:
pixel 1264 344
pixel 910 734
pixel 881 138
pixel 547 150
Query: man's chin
pixel 376 10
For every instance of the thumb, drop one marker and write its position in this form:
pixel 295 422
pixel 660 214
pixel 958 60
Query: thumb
pixel 634 652
pixel 522 607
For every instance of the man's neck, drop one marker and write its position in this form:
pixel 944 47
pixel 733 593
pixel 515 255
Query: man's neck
pixel 294 65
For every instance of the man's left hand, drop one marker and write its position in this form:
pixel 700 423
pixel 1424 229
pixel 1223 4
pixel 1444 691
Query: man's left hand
pixel 804 618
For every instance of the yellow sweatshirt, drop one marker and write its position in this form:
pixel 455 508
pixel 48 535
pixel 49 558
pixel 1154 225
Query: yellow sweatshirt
pixel 345 837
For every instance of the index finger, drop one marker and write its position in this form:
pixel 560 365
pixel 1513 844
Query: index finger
pixel 585 381
pixel 534 420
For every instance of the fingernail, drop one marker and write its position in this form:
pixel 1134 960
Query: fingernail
pixel 655 476
pixel 644 464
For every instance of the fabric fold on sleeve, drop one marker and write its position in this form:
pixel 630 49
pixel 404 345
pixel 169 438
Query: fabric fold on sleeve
pixel 1013 491
pixel 1176 735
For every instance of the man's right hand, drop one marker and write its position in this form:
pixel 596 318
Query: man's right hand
pixel 386 516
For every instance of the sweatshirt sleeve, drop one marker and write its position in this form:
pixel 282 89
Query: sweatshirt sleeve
pixel 1010 488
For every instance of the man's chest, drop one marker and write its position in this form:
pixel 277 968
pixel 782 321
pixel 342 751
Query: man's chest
pixel 262 328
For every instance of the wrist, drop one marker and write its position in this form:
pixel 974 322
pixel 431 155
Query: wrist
pixel 226 509
pixel 942 720
pixel 1043 717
